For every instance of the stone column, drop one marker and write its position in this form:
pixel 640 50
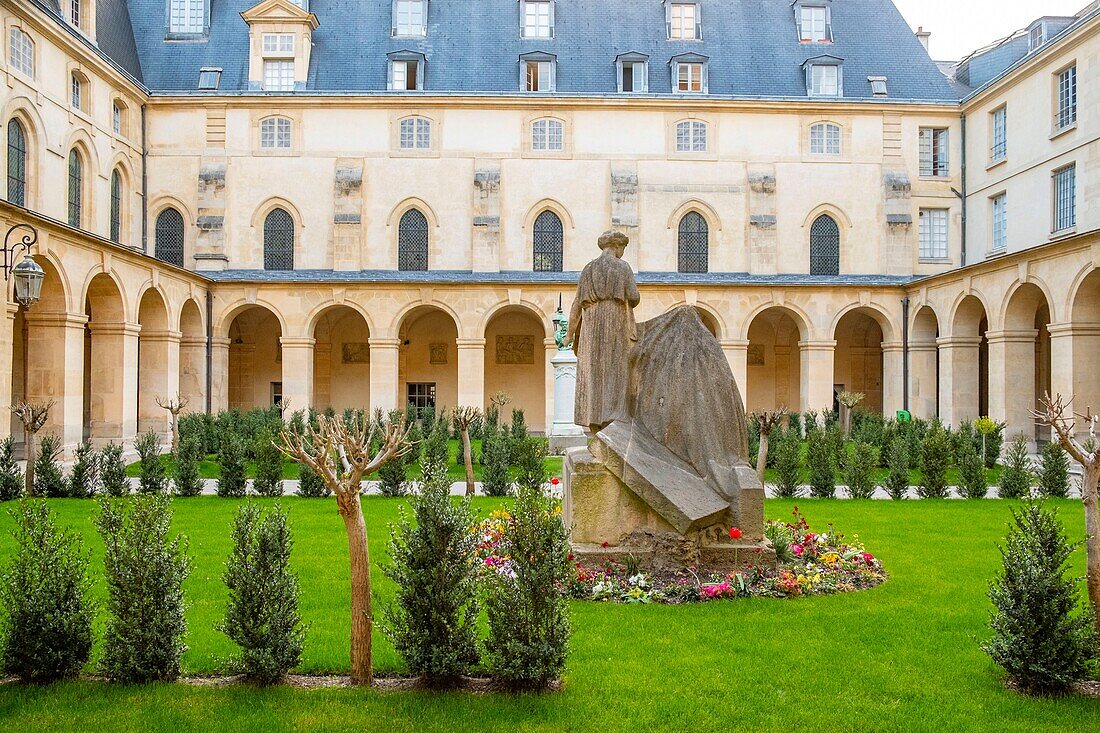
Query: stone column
pixel 923 384
pixel 192 372
pixel 471 373
pixel 781 385
pixel 219 367
pixel 565 433
pixel 959 381
pixel 1075 365
pixel 550 350
pixel 737 354
pixel 384 382
pixel 817 374
pixel 7 368
pixel 158 376
pixel 55 371
pixel 114 377
pixel 1012 381
pixel 893 378
pixel 297 373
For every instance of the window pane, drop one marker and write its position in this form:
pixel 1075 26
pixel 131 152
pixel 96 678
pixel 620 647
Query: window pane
pixel 689 77
pixel 412 242
pixel 536 19
pixel 813 25
pixel 77 93
pixel 933 234
pixel 278 241
pixel 21 51
pixel 1000 134
pixel 1067 98
pixel 683 21
pixel 933 152
pixel 1065 198
pixel 116 207
pixel 279 76
pixel 1000 223
pixel 824 246
pixel 76 188
pixel 17 163
pixel 410 18
pixel 628 76
pixel 824 80
pixel 693 243
pixel 547 244
pixel 186 16
pixel 169 237
pixel 825 139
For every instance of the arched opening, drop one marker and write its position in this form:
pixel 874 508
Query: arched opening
pixel 110 365
pixel 824 246
pixel 515 363
pixel 116 213
pixel 1023 360
pixel 278 240
pixel 1085 345
pixel 76 189
pixel 412 241
pixel 964 364
pixel 858 363
pixel 17 163
pixel 709 321
pixel 428 365
pixel 547 244
pixel 774 361
pixel 168 237
pixel 255 359
pixel 693 239
pixel 192 366
pixel 341 360
pixel 924 364
pixel 157 370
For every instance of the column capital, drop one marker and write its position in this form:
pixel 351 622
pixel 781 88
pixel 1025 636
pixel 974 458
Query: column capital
pixel 1067 330
pixel 1012 336
pixel 384 343
pixel 728 344
pixel 157 336
pixel 67 320
pixel 959 342
pixel 817 345
pixel 288 342
pixel 923 345
pixel 470 343
pixel 194 340
pixel 221 342
pixel 115 329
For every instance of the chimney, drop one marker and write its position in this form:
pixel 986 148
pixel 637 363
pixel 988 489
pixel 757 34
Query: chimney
pixel 923 36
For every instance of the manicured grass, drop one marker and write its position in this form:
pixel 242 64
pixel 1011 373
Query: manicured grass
pixel 902 657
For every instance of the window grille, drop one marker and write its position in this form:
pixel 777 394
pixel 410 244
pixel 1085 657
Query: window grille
pixel 412 242
pixel 116 207
pixel 278 241
pixel 694 243
pixel 824 246
pixel 76 187
pixel 420 395
pixel 1065 198
pixel 17 163
pixel 547 243
pixel 169 237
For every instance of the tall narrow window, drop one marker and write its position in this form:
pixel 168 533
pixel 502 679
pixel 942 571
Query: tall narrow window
pixel 689 77
pixel 76 89
pixel 75 12
pixel 683 22
pixel 76 187
pixel 537 19
pixel 824 246
pixel 415 134
pixel 693 243
pixel 409 18
pixel 547 245
pixel 169 237
pixel 404 75
pixel 814 22
pixel 17 163
pixel 21 52
pixel 999 149
pixel 633 77
pixel 279 240
pixel 1065 198
pixel 1000 223
pixel 275 133
pixel 825 139
pixel 691 136
pixel 824 80
pixel 547 135
pixel 116 206
pixel 933 234
pixel 186 16
pixel 1066 113
pixel 279 76
pixel 412 242
pixel 933 152
pixel 116 118
pixel 538 76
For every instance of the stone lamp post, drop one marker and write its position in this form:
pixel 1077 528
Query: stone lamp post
pixel 564 433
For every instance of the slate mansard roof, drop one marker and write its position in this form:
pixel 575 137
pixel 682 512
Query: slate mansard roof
pixel 473 47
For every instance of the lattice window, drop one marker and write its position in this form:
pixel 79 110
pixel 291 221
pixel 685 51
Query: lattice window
pixel 1065 198
pixel 76 187
pixel 21 51
pixel 547 135
pixel 694 243
pixel 169 237
pixel 824 246
pixel 933 234
pixel 412 242
pixel 933 152
pixel 691 136
pixel 548 243
pixel 825 139
pixel 275 133
pixel 1067 98
pixel 415 134
pixel 116 207
pixel 186 16
pixel 17 163
pixel 279 240
pixel 999 149
pixel 1000 223
pixel 420 395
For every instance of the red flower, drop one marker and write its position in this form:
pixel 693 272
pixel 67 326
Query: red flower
pixel 604 544
pixel 554 481
pixel 735 533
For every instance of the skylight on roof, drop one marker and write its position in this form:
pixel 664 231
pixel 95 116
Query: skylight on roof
pixel 209 78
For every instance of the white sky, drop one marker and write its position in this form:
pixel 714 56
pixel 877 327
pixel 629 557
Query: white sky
pixel 960 26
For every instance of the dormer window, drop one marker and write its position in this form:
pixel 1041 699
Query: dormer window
pixel 537 17
pixel 209 78
pixel 406 72
pixel 878 86
pixel 689 74
pixel 824 77
pixel 815 24
pixel 410 18
pixel 633 73
pixel 683 21
pixel 76 8
pixel 186 17
pixel 278 44
pixel 537 72
pixel 278 76
pixel 1036 36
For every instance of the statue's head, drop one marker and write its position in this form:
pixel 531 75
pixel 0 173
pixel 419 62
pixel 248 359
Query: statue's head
pixel 614 241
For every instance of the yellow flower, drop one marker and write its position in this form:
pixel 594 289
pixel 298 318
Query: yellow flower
pixel 830 558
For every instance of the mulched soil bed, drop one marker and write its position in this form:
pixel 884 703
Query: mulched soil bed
pixel 475 685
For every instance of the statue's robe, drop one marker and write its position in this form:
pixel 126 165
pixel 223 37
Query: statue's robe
pixel 603 320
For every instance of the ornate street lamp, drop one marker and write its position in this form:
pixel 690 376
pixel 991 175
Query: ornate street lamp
pixel 28 274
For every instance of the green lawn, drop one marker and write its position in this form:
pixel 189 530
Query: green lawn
pixel 903 656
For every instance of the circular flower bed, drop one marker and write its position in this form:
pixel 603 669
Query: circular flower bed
pixel 810 563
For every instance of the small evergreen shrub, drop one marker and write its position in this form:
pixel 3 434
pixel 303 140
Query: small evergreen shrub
pixel 269 466
pixel 858 469
pixel 437 447
pixel 518 434
pixel 46 627
pixel 530 456
pixel 495 457
pixel 788 465
pixel 262 615
pixel 1053 471
pixel 1016 475
pixel 834 442
pixel 152 476
pixel 897 479
pixel 393 479
pixel 48 479
pixel 145 571
pixel 11 478
pixel 232 482
pixel 112 471
pixel 188 480
pixel 84 476
pixel 526 600
pixel 432 621
pixel 972 479
pixel 312 486
pixel 416 440
pixel 1037 638
pixel 936 454
pixel 821 462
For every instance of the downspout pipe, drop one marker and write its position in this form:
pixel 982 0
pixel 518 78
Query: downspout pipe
pixel 209 351
pixel 962 194
pixel 905 353
pixel 144 184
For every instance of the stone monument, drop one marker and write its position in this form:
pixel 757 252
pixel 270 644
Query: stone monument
pixel 666 476
pixel 564 433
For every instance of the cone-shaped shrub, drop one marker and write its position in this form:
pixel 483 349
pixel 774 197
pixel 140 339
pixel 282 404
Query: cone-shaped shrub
pixel 232 482
pixel 112 471
pixel 1016 475
pixel 48 479
pixel 972 480
pixel 788 465
pixel 857 471
pixel 11 478
pixel 188 480
pixel 935 459
pixel 152 476
pixel 495 457
pixel 84 476
pixel 1053 472
pixel 269 466
pixel 897 479
pixel 821 462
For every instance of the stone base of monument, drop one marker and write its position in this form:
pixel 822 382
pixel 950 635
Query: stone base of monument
pixel 609 520
pixel 562 443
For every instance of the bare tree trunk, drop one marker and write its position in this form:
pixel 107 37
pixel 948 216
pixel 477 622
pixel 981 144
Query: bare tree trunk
pixel 29 455
pixel 468 459
pixel 175 432
pixel 762 456
pixel 1092 537
pixel 362 672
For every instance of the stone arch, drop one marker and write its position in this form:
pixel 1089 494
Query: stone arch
pixel 81 157
pixel 110 362
pixel 774 369
pixel 547 204
pixel 35 142
pixel 924 362
pixel 395 324
pixel 80 139
pixel 157 372
pixel 341 356
pixel 714 221
pixel 192 359
pixel 890 331
pixel 1084 342
pixel 1083 300
pixel 428 356
pixel 516 361
pixel 223 323
pixel 412 202
pixel 710 316
pixel 535 311
pixel 255 372
pixel 858 361
pixel 964 359
pixel 837 213
pixel 1021 359
pixel 798 316
pixel 278 202
pixel 319 311
pixel 96 290
pixel 165 201
pixel 56 289
pixel 1020 301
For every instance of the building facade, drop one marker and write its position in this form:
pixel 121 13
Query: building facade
pixel 368 204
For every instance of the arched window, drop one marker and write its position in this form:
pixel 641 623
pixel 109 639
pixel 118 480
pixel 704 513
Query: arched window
pixel 17 163
pixel 116 206
pixel 169 237
pixel 77 91
pixel 548 243
pixel 279 240
pixel 694 243
pixel 275 133
pixel 547 135
pixel 415 134
pixel 21 51
pixel 76 187
pixel 824 246
pixel 412 241
pixel 691 136
pixel 825 139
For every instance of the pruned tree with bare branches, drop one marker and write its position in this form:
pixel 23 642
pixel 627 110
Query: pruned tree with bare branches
pixel 849 400
pixel 341 454
pixel 463 418
pixel 174 407
pixel 767 420
pixel 33 415
pixel 1054 412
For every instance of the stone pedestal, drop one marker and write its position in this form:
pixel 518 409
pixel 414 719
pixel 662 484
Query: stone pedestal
pixel 564 433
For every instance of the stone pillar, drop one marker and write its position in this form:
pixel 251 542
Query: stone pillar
pixel 550 350
pixel 297 373
pixel 158 376
pixel 817 374
pixel 322 377
pixel 923 384
pixel 1012 381
pixel 565 433
pixel 737 354
pixel 7 368
pixel 959 379
pixel 384 382
pixel 219 367
pixel 192 372
pixel 893 378
pixel 781 386
pixel 1075 365
pixel 114 377
pixel 471 373
pixel 55 371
